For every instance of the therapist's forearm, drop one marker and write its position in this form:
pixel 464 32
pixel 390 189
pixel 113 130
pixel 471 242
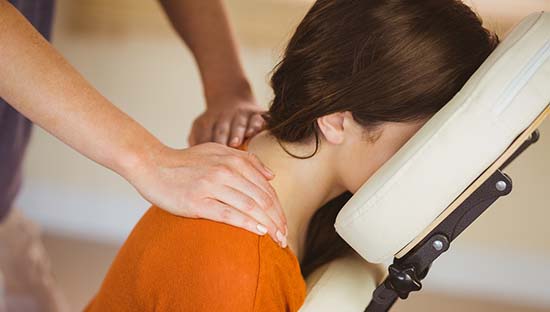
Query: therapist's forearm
pixel 204 27
pixel 38 82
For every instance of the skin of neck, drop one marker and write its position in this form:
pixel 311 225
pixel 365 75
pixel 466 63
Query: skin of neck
pixel 302 185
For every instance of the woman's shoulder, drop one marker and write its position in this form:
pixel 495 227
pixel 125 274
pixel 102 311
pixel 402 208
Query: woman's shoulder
pixel 227 255
pixel 281 286
pixel 184 264
pixel 196 264
pixel 167 233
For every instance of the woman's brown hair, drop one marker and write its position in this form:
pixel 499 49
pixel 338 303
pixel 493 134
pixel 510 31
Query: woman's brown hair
pixel 381 60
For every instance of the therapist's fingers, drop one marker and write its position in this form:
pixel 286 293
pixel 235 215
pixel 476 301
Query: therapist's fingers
pixel 251 206
pixel 256 178
pixel 256 123
pixel 272 207
pixel 256 163
pixel 221 212
pixel 238 128
pixel 221 131
pixel 201 130
pixel 266 198
pixel 244 172
pixel 251 182
pixel 228 121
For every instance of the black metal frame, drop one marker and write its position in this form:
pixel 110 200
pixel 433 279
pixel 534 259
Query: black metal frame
pixel 406 273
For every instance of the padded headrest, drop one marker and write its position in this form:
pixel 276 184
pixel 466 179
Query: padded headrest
pixel 454 147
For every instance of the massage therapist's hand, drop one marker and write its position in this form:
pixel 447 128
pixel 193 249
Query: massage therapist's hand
pixel 215 182
pixel 228 121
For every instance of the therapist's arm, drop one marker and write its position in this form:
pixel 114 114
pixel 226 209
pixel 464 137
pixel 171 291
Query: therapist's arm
pixel 232 112
pixel 38 82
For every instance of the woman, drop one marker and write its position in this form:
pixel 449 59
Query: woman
pixel 357 80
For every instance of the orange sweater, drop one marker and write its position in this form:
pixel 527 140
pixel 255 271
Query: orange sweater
pixel 171 263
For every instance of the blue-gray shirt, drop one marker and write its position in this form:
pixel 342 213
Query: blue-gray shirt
pixel 15 129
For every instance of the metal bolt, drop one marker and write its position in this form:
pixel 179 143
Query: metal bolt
pixel 437 245
pixel 501 186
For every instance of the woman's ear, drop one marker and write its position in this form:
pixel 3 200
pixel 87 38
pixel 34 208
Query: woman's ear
pixel 332 127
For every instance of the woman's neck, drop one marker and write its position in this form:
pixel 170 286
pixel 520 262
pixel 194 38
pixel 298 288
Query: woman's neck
pixel 302 185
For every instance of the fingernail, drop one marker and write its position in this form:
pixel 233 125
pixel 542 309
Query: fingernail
pixel 281 239
pixel 269 171
pixel 235 141
pixel 249 131
pixel 261 229
pixel 280 236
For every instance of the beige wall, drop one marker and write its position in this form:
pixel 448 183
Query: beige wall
pixel 519 221
pixel 127 49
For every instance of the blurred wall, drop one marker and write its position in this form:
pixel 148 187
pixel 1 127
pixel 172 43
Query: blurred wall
pixel 128 51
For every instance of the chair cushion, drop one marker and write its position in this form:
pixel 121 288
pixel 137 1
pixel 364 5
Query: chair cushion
pixel 344 285
pixel 456 145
